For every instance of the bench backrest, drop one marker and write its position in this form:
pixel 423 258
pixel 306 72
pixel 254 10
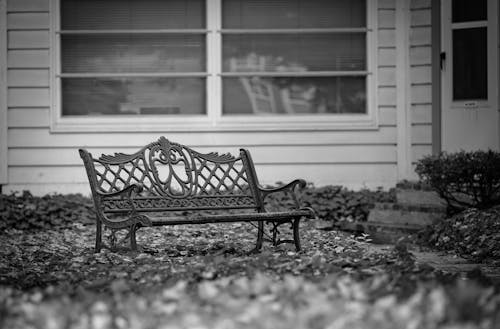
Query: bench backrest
pixel 174 177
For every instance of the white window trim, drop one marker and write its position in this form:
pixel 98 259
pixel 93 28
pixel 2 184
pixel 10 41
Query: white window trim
pixel 214 120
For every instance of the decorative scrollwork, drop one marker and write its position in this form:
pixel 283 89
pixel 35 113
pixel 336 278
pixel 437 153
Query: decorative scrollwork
pixel 169 157
pixel 118 158
pixel 274 230
pixel 171 170
pixel 148 204
pixel 215 157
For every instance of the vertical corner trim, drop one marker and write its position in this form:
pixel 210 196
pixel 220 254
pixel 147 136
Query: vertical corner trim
pixel 436 76
pixel 3 92
pixel 403 106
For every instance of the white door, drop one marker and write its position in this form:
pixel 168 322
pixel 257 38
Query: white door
pixel 469 72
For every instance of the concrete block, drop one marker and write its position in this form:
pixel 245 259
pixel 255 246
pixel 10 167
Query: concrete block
pixel 419 198
pixel 402 216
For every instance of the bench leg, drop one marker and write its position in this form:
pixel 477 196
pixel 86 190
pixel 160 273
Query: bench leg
pixel 296 237
pixel 98 237
pixel 275 234
pixel 133 242
pixel 260 236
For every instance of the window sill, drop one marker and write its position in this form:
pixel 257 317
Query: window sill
pixel 204 124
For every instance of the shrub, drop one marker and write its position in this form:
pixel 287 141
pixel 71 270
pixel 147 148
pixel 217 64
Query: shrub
pixel 463 179
pixel 335 203
pixel 27 212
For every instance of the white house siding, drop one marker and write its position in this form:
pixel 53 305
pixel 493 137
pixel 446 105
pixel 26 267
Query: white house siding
pixel 43 162
pixel 420 79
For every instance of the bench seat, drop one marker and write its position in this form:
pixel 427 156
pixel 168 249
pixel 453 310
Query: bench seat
pixel 228 218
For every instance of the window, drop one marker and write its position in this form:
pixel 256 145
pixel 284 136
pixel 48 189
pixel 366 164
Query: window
pixel 294 57
pixel 212 63
pixel 132 57
pixel 470 71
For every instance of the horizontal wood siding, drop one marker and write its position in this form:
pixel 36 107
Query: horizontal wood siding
pixel 420 79
pixel 48 162
pixel 25 59
pixel 72 178
pixel 29 96
pixel 29 39
pixel 28 21
pixel 261 155
pixel 41 137
pixel 386 66
pixel 28 77
pixel 28 6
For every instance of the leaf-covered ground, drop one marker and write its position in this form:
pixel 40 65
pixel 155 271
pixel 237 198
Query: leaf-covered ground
pixel 204 277
pixel 473 233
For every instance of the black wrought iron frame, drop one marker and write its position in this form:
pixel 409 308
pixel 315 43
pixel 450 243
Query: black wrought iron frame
pixel 126 187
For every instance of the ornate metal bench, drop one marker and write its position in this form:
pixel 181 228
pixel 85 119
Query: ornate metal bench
pixel 166 183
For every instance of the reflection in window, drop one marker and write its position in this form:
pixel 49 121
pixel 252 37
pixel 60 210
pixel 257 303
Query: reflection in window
pixel 294 95
pixel 290 69
pixel 266 14
pixel 132 53
pixel 132 14
pixel 295 53
pixel 124 57
pixel 148 57
pixel 133 96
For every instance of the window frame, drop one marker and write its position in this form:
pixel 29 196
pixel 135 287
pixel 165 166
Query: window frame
pixel 465 26
pixel 214 120
pixel 491 25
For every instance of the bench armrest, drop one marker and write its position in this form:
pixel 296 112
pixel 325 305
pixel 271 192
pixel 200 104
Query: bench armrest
pixel 127 191
pixel 133 218
pixel 287 188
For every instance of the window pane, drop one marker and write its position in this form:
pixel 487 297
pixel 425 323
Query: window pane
pixel 470 75
pixel 292 53
pixel 467 10
pixel 132 14
pixel 132 53
pixel 113 96
pixel 329 95
pixel 259 14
